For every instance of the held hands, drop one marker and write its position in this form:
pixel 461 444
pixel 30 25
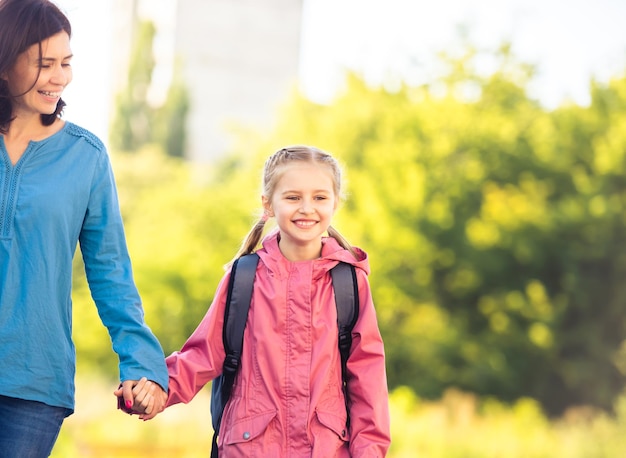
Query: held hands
pixel 143 397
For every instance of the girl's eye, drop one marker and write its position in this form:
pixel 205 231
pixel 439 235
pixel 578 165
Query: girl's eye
pixel 292 197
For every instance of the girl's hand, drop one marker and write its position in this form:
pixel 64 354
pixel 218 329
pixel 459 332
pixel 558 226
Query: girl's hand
pixel 143 397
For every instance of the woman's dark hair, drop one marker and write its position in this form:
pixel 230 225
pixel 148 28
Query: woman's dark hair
pixel 24 23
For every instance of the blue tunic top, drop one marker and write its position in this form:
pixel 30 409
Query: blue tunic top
pixel 62 192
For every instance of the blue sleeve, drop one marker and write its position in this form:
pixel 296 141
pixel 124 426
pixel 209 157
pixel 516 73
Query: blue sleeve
pixel 110 278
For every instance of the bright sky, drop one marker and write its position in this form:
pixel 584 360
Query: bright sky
pixel 570 41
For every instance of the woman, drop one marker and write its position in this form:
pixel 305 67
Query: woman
pixel 56 190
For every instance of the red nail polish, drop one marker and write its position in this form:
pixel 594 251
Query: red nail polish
pixel 129 404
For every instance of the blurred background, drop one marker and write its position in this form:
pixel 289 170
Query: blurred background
pixel 485 151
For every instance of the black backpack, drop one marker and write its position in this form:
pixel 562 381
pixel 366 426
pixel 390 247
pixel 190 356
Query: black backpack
pixel 236 315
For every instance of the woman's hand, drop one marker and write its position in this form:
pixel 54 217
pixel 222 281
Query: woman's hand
pixel 143 397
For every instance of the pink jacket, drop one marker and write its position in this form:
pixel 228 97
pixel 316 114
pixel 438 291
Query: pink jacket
pixel 287 399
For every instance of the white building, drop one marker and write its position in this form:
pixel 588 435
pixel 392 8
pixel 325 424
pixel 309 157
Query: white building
pixel 240 59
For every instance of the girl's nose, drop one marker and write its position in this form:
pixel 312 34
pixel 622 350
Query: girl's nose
pixel 305 207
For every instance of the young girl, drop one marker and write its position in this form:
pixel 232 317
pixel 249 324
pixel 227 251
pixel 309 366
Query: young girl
pixel 287 399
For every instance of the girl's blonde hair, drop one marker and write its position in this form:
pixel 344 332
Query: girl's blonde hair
pixel 272 171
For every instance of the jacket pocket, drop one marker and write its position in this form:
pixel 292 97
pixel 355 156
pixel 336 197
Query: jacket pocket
pixel 330 435
pixel 248 428
pixel 335 423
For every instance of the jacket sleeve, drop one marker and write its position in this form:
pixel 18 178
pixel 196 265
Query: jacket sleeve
pixel 109 274
pixel 201 358
pixel 367 382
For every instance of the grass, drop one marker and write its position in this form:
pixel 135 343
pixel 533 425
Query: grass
pixel 458 426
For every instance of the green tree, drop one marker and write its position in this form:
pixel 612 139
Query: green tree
pixel 132 123
pixel 171 118
pixel 494 228
pixel 136 122
pixel 184 223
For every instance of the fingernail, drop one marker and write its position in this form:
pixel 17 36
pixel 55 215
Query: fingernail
pixel 129 404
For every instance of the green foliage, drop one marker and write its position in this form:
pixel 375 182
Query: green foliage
pixel 170 119
pixel 462 425
pixel 136 123
pixel 183 225
pixel 93 345
pixel 133 118
pixel 495 230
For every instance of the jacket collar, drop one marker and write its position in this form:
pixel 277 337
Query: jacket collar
pixel 332 253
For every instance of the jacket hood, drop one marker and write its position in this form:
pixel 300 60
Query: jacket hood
pixel 332 253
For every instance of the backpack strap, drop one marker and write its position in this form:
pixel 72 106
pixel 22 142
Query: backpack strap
pixel 238 300
pixel 347 301
pixel 237 306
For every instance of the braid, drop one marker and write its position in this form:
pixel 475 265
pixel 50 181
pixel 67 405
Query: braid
pixel 343 243
pixel 251 241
